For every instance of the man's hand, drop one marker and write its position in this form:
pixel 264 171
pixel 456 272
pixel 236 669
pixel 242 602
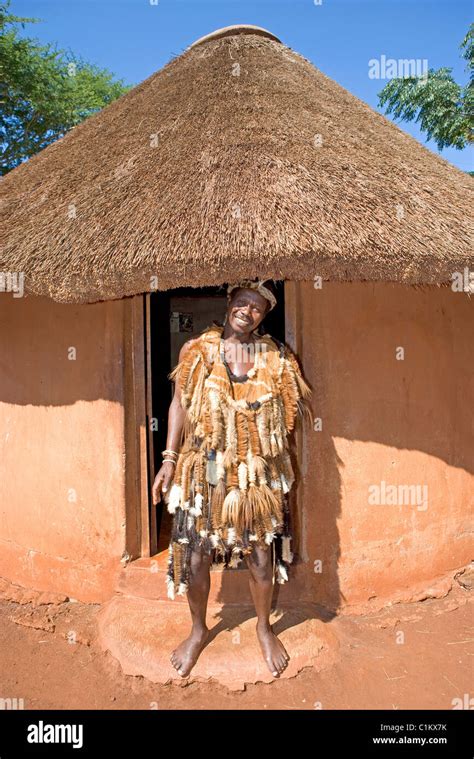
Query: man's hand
pixel 162 481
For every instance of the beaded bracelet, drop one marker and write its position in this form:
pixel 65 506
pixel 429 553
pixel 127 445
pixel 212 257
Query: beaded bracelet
pixel 169 452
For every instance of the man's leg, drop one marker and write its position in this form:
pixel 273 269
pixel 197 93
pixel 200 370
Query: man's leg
pixel 184 657
pixel 260 565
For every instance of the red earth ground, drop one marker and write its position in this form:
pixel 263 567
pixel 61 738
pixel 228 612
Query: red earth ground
pixel 407 656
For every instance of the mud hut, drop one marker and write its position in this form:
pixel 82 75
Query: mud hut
pixel 237 159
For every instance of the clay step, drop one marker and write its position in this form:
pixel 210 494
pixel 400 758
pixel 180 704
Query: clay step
pixel 141 633
pixel 146 578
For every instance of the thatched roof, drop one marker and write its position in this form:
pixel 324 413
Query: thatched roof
pixel 237 159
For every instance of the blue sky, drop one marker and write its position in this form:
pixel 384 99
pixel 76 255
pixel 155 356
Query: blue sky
pixel 134 38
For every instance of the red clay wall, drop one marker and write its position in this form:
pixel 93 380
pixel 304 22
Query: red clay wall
pixel 383 420
pixel 62 488
pixel 404 422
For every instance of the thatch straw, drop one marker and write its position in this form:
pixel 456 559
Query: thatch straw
pixel 238 158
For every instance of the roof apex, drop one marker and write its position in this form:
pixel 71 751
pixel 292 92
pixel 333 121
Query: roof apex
pixel 228 31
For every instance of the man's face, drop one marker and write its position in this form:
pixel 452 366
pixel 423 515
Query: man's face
pixel 246 310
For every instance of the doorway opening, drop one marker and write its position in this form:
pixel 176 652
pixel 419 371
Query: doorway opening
pixel 176 316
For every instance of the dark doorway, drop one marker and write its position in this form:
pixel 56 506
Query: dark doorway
pixel 175 317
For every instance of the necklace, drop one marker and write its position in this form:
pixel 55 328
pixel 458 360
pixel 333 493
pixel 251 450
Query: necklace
pixel 232 377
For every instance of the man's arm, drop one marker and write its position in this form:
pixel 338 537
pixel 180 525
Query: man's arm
pixel 176 415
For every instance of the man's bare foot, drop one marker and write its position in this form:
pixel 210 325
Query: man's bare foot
pixel 185 656
pixel 273 650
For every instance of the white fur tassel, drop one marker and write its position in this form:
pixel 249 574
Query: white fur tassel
pixel 174 499
pixel 231 536
pixel 170 584
pixel 235 558
pixel 282 574
pixel 242 474
pixel 284 484
pixel 251 467
pixel 196 510
pixel 220 465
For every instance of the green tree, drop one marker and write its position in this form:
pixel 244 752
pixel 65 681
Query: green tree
pixel 44 92
pixel 443 108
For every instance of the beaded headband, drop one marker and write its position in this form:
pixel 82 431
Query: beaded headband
pixel 259 286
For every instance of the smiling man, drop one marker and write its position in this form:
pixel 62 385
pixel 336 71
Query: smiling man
pixel 226 470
